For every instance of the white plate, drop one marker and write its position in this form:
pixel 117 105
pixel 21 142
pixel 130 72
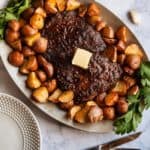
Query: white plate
pixel 51 109
pixel 19 129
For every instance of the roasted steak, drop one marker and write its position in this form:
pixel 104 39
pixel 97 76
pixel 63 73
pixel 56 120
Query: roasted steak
pixel 65 32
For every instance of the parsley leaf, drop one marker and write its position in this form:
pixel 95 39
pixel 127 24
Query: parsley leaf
pixel 145 70
pixel 133 99
pixel 145 82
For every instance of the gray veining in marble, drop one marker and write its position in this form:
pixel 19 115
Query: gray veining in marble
pixel 56 136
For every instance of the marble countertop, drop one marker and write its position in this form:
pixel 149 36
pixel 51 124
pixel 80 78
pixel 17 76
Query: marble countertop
pixel 56 136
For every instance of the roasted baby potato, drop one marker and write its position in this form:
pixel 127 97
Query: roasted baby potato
pixel 27 51
pixel 29 40
pixel 61 4
pixel 121 34
pixel 17 45
pixel 133 61
pixel 50 6
pixel 134 90
pixel 11 36
pixel 121 58
pixel 41 75
pixel 121 46
pixel 41 12
pixel 28 13
pixel 82 115
pixel 48 67
pixel 32 64
pixel 93 20
pixel 111 53
pixel 40 45
pixel 16 58
pixel 54 96
pixel 100 99
pixel 95 114
pixel 100 25
pixel 73 110
pixel 41 60
pixel 32 81
pixel 108 32
pixel 27 30
pixel 51 85
pixel 23 68
pixel 122 106
pixel 29 65
pixel 93 10
pixel 111 98
pixel 66 96
pixel 82 10
pixel 129 81
pixel 109 113
pixel 133 49
pixel 120 88
pixel 66 106
pixel 37 21
pixel 40 94
pixel 72 5
pixel 14 25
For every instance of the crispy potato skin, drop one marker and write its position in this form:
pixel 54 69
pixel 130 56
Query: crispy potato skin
pixel 108 32
pixel 122 106
pixel 16 58
pixel 109 113
pixel 14 25
pixel 111 99
pixel 121 34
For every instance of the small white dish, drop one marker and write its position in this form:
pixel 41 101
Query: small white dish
pixel 19 129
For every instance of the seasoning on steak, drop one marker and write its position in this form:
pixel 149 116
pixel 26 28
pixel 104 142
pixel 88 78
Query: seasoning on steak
pixel 66 32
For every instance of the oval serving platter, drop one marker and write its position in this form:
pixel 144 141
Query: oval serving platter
pixel 51 109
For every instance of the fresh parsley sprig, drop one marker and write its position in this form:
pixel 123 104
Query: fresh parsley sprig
pixel 137 104
pixel 12 11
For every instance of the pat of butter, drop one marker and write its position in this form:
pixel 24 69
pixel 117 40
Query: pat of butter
pixel 81 58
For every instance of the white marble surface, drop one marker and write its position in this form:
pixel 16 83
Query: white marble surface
pixel 56 136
